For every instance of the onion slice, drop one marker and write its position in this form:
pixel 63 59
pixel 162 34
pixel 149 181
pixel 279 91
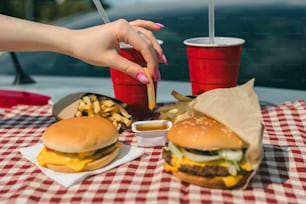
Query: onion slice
pixel 199 157
pixel 175 150
pixel 231 155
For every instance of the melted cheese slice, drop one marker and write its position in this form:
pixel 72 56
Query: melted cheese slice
pixel 75 161
pixel 228 180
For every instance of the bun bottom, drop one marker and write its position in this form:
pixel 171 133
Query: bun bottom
pixel 96 164
pixel 209 182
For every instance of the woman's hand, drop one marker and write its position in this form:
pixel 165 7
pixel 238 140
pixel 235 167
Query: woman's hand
pixel 99 45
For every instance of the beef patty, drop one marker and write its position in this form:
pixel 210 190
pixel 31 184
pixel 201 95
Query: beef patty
pixel 204 171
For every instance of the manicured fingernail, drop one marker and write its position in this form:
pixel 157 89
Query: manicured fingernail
pixel 160 25
pixel 157 76
pixel 142 78
pixel 164 59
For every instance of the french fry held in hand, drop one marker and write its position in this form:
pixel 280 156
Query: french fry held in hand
pixel 175 111
pixel 93 105
pixel 150 90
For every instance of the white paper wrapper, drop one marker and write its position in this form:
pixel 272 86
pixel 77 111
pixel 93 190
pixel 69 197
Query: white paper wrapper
pixel 127 153
pixel 238 108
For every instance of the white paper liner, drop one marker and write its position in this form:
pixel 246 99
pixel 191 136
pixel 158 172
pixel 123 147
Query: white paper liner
pixel 127 153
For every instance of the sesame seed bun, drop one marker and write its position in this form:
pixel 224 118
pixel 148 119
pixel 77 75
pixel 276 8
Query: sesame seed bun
pixel 204 133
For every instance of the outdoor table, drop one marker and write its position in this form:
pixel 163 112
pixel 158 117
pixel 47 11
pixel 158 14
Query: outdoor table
pixel 281 177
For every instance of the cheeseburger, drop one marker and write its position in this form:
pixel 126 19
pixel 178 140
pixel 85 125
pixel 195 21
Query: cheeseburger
pixel 79 144
pixel 204 152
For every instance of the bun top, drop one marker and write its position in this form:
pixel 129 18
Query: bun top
pixel 81 134
pixel 204 133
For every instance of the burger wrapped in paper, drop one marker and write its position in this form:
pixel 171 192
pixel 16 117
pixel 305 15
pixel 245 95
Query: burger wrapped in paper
pixel 79 144
pixel 218 144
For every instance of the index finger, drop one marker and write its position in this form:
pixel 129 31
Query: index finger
pixel 147 24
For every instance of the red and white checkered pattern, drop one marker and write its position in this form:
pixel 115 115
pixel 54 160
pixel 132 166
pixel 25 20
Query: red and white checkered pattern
pixel 281 177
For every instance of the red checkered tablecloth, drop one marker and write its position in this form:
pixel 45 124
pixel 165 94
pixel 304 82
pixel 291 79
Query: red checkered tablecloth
pixel 281 177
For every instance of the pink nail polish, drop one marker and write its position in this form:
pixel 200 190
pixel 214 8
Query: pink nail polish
pixel 164 59
pixel 160 25
pixel 142 78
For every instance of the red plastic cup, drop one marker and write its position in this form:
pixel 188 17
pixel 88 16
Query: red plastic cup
pixel 128 89
pixel 215 65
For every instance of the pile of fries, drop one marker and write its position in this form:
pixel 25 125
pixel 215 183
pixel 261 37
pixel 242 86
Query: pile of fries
pixel 93 105
pixel 174 111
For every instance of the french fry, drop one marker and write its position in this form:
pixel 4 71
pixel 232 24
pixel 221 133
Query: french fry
pixel 107 102
pixel 92 97
pixel 96 106
pixel 150 90
pixel 123 111
pixel 78 114
pixel 87 101
pixel 93 105
pixel 175 111
pixel 180 97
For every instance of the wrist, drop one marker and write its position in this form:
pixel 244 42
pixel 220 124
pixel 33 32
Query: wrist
pixel 67 42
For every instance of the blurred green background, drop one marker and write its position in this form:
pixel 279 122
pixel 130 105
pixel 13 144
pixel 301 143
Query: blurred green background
pixel 45 10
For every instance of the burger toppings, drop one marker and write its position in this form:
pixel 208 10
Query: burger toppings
pixel 205 152
pixel 201 156
pixel 79 144
pixel 75 161
pixel 231 160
